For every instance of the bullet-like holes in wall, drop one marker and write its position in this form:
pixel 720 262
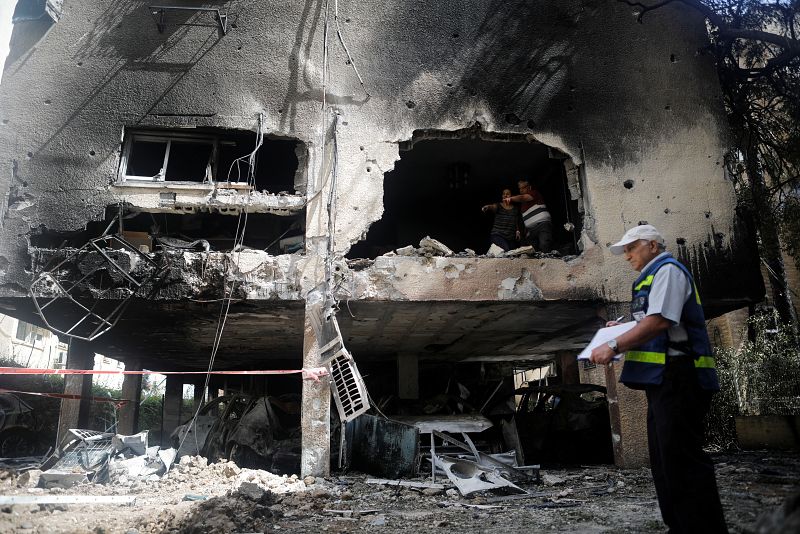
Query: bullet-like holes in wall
pixel 444 178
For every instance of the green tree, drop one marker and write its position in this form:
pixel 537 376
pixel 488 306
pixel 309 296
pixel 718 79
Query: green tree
pixel 757 53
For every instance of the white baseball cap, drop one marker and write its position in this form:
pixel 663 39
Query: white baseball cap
pixel 644 231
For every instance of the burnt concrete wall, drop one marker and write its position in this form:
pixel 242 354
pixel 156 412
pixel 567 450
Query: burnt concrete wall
pixel 630 102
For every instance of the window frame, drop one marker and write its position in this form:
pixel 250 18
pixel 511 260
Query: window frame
pixel 167 137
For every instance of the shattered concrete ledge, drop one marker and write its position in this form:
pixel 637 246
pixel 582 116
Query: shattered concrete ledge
pixel 195 198
pixel 419 278
pixel 245 275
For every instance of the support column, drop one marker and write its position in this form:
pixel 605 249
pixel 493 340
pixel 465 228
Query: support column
pixel 568 367
pixel 315 419
pixel 199 393
pixel 408 376
pixel 75 413
pixel 132 390
pixel 627 408
pixel 171 417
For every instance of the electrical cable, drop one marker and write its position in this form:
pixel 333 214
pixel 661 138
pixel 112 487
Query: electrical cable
pixel 778 278
pixel 346 51
pixel 227 295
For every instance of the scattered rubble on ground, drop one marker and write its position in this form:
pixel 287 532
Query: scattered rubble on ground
pixel 198 496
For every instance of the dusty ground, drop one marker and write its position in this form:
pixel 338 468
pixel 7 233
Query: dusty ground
pixel 591 499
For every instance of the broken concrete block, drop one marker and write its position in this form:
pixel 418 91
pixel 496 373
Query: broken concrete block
pixel 309 480
pixel 552 480
pixel 131 467
pixel 230 469
pixel 430 245
pixel 494 250
pixel 406 251
pixel 29 479
pixel 253 491
pixel 137 443
pixel 167 457
pixel 63 479
pixel 521 251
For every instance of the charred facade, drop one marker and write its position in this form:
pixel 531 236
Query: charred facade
pixel 250 164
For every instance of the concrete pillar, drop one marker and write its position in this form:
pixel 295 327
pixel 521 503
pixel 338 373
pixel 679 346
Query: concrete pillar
pixel 171 418
pixel 199 392
pixel 408 376
pixel 568 367
pixel 132 390
pixel 75 413
pixel 315 419
pixel 627 407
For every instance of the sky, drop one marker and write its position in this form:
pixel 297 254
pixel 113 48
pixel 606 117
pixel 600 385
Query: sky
pixel 6 10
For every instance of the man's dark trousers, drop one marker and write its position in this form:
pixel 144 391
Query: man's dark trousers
pixel 683 473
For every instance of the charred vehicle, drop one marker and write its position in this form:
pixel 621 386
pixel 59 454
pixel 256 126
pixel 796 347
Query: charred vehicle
pixel 17 427
pixel 258 432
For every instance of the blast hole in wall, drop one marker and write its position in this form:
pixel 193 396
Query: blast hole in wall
pixel 443 178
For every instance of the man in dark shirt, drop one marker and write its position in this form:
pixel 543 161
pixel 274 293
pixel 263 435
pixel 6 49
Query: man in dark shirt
pixel 506 230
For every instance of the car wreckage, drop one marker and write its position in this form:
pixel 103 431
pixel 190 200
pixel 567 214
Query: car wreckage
pixel 260 432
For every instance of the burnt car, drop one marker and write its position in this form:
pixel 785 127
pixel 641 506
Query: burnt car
pixel 257 432
pixel 564 424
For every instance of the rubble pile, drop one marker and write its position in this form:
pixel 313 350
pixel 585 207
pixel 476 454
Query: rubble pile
pixel 248 509
pixel 429 247
pixel 199 496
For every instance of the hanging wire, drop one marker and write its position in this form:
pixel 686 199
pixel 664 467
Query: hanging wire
pixel 241 227
pixel 332 207
pixel 344 46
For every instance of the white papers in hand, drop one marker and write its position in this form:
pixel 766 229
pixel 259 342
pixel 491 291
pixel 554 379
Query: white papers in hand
pixel 604 335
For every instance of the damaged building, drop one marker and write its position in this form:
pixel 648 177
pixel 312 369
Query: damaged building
pixel 262 186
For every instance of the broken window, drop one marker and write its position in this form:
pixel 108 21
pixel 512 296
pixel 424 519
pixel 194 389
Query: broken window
pixel 155 158
pixel 28 333
pixel 442 180
pixel 212 155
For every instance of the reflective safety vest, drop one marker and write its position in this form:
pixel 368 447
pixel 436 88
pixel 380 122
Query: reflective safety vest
pixel 644 365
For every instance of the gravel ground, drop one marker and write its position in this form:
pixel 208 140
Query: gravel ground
pixel 585 499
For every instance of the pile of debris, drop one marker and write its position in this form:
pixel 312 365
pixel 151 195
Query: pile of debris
pixel 430 247
pixel 98 457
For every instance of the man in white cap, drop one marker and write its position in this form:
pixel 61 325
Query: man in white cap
pixel 669 356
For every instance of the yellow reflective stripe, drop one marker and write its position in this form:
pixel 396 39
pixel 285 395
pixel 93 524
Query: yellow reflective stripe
pixel 645 357
pixel 646 282
pixel 704 362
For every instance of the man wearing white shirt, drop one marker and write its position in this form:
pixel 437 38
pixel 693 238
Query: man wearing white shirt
pixel 669 356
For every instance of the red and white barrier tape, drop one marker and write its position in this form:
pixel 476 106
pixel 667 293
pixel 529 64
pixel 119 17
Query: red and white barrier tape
pixel 308 374
pixel 66 396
